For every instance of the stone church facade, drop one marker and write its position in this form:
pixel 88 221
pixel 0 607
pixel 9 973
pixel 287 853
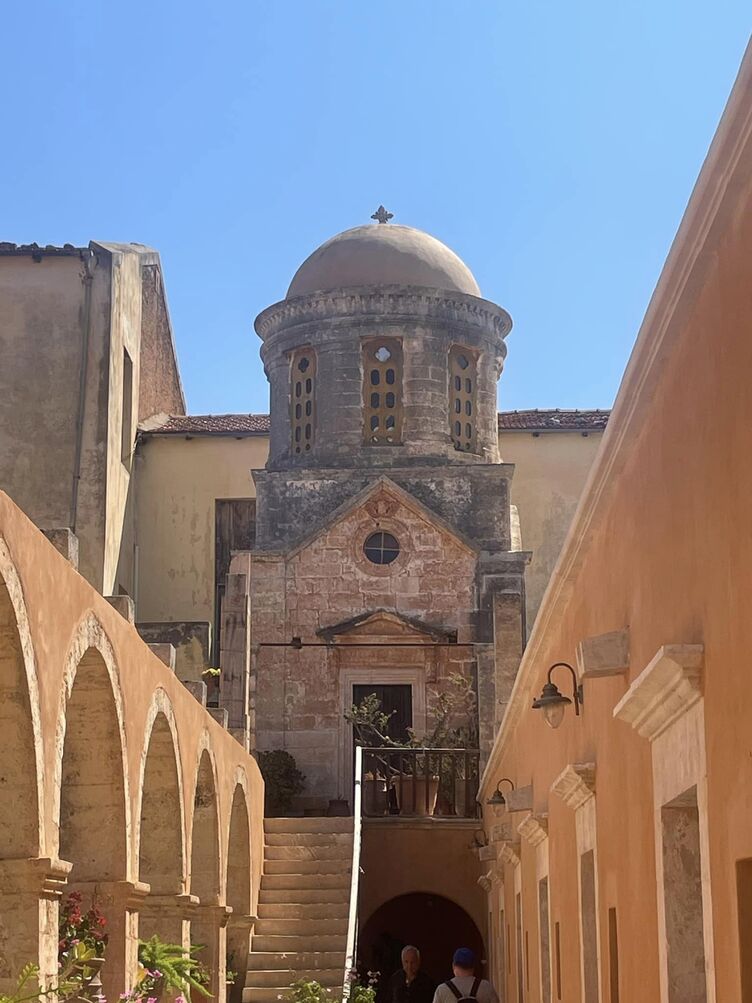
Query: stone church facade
pixel 383 512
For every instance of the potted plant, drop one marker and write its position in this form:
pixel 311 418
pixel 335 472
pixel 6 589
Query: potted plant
pixel 422 777
pixel 168 967
pixel 82 936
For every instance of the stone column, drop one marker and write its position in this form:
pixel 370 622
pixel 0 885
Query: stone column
pixel 208 923
pixel 167 916
pixel 30 893
pixel 119 902
pixel 239 929
pixel 235 648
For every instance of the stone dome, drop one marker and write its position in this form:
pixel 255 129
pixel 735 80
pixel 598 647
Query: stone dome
pixel 383 254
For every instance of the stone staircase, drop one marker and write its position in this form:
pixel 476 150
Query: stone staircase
pixel 301 931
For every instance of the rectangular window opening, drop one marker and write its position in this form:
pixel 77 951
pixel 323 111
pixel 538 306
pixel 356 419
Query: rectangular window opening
pixel 545 947
pixel 613 957
pixel 557 954
pixel 682 891
pixel 588 921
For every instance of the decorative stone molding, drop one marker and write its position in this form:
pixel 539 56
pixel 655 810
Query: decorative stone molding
pixel 520 799
pixel 510 853
pixel 382 301
pixel 666 689
pixel 495 879
pixel 575 784
pixel 534 828
pixel 488 852
pixel 604 655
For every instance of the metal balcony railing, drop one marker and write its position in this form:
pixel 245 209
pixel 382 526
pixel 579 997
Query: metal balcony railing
pixel 438 783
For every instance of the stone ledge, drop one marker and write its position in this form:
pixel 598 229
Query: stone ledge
pixel 510 853
pixel 604 655
pixel 575 784
pixel 664 690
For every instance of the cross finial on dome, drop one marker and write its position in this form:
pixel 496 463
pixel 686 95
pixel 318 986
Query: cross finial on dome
pixel 382 215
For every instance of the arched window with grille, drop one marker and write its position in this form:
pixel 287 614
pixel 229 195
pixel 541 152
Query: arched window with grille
pixel 382 392
pixel 463 367
pixel 302 401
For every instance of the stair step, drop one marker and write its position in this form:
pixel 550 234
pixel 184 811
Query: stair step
pixel 304 927
pixel 319 851
pixel 309 881
pixel 304 910
pixel 318 824
pixel 297 866
pixel 272 994
pixel 316 896
pixel 295 945
pixel 283 961
pixel 309 839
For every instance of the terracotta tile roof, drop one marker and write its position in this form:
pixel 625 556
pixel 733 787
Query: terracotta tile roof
pixel 9 250
pixel 554 420
pixel 213 424
pixel 258 424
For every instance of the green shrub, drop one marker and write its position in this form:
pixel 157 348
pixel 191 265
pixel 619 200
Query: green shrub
pixel 283 781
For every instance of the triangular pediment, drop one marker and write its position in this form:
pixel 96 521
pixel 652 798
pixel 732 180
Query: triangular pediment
pixel 386 623
pixel 380 499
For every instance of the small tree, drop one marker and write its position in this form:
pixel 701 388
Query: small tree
pixel 282 779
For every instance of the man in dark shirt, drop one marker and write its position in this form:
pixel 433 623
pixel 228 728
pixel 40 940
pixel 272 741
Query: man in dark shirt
pixel 410 985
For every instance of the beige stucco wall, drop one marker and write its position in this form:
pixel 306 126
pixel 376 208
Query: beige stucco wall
pixel 550 473
pixel 178 481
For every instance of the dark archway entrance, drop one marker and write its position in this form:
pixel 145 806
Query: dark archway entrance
pixel 434 924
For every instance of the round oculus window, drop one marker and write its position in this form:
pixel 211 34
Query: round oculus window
pixel 381 548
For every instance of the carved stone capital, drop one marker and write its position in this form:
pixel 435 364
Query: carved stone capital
pixel 534 828
pixel 664 690
pixel 575 784
pixel 501 831
pixel 485 881
pixel 490 852
pixel 520 799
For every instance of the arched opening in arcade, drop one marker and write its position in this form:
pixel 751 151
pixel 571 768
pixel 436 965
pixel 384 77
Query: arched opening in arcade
pixel 436 925
pixel 19 802
pixel 208 916
pixel 238 893
pixel 93 827
pixel 161 837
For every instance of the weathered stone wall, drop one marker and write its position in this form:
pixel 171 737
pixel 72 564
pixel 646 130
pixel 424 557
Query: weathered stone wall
pixel 299 696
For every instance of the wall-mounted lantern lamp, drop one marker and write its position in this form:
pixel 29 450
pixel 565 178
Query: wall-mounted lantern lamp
pixel 497 799
pixel 552 701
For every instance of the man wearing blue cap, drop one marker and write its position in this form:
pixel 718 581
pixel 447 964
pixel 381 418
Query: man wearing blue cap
pixel 465 987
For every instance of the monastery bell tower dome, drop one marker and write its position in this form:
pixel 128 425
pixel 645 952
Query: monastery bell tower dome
pixel 382 352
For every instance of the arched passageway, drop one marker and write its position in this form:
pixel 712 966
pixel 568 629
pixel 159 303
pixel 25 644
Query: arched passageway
pixel 208 918
pixel 434 924
pixel 92 819
pixel 160 858
pixel 238 892
pixel 19 798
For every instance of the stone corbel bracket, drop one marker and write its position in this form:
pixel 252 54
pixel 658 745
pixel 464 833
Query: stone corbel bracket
pixel 490 852
pixel 534 828
pixel 666 689
pixel 604 655
pixel 485 881
pixel 501 832
pixel 520 799
pixel 575 784
pixel 510 853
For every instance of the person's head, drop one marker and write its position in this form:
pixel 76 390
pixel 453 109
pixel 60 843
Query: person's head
pixel 410 961
pixel 463 962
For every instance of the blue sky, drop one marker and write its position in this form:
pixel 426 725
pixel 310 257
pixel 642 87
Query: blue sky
pixel 552 145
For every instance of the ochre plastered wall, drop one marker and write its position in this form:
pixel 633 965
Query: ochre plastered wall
pixel 666 552
pixel 550 470
pixel 55 627
pixel 178 481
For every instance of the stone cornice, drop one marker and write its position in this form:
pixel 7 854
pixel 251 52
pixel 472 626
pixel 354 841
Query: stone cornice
pixel 384 302
pixel 575 784
pixel 485 881
pixel 664 690
pixel 534 828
